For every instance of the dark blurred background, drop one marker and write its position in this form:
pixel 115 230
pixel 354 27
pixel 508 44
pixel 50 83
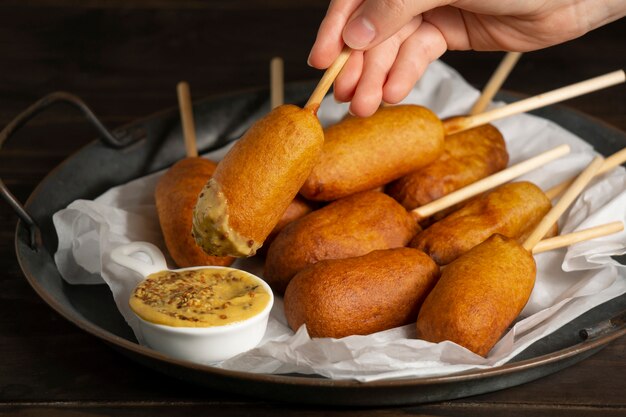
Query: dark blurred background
pixel 124 57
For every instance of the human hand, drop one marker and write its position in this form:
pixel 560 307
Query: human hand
pixel 395 40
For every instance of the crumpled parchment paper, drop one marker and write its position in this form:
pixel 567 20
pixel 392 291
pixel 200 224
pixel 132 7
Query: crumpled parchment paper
pixel 569 282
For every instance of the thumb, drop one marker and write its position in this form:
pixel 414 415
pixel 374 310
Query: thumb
pixel 377 20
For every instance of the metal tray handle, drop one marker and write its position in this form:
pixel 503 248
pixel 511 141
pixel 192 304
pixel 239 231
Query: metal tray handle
pixel 117 140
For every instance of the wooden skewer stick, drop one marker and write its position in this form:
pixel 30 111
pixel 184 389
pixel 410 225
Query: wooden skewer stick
pixel 559 208
pixel 495 82
pixel 580 236
pixel 490 182
pixel 459 124
pixel 611 162
pixel 277 82
pixel 186 115
pixel 328 78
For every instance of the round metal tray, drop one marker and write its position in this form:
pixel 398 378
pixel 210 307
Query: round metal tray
pixel 103 164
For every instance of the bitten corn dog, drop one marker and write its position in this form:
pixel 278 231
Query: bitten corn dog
pixel 259 177
pixel 256 181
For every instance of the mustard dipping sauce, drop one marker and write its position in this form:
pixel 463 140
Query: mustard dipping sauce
pixel 204 297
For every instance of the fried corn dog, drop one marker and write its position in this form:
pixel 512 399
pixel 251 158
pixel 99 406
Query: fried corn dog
pixel 175 195
pixel 260 176
pixel 511 210
pixel 467 157
pixel 479 295
pixel 348 227
pixel 256 181
pixel 362 295
pixel 483 291
pixel 360 154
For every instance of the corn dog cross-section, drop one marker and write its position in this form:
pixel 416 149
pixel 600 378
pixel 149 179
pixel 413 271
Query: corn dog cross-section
pixel 256 181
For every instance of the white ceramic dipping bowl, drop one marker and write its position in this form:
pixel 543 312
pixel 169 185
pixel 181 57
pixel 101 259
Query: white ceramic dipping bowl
pixel 195 344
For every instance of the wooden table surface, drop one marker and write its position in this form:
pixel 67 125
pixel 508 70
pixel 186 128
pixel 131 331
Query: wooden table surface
pixel 124 58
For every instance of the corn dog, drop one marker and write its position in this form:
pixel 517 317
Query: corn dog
pixel 175 195
pixel 480 294
pixel 367 294
pixel 510 210
pixel 467 157
pixel 363 153
pixel 256 181
pixel 335 231
pixel 468 306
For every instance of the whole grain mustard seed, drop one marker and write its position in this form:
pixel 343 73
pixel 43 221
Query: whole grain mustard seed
pixel 191 298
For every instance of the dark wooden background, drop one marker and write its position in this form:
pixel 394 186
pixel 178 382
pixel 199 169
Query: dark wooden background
pixel 124 58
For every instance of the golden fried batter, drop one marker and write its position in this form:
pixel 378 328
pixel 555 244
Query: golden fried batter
pixel 467 157
pixel 362 295
pixel 479 295
pixel 363 153
pixel 256 181
pixel 511 210
pixel 176 194
pixel 298 208
pixel 348 227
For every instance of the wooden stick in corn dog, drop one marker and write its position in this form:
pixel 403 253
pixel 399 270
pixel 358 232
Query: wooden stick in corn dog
pixel 577 237
pixel 555 96
pixel 186 116
pixel 277 83
pixel 490 182
pixel 611 162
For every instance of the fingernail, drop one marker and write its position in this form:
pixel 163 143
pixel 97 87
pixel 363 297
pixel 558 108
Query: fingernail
pixel 350 111
pixel 359 33
pixel 308 60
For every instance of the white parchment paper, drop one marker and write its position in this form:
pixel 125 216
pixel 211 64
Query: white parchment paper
pixel 569 282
